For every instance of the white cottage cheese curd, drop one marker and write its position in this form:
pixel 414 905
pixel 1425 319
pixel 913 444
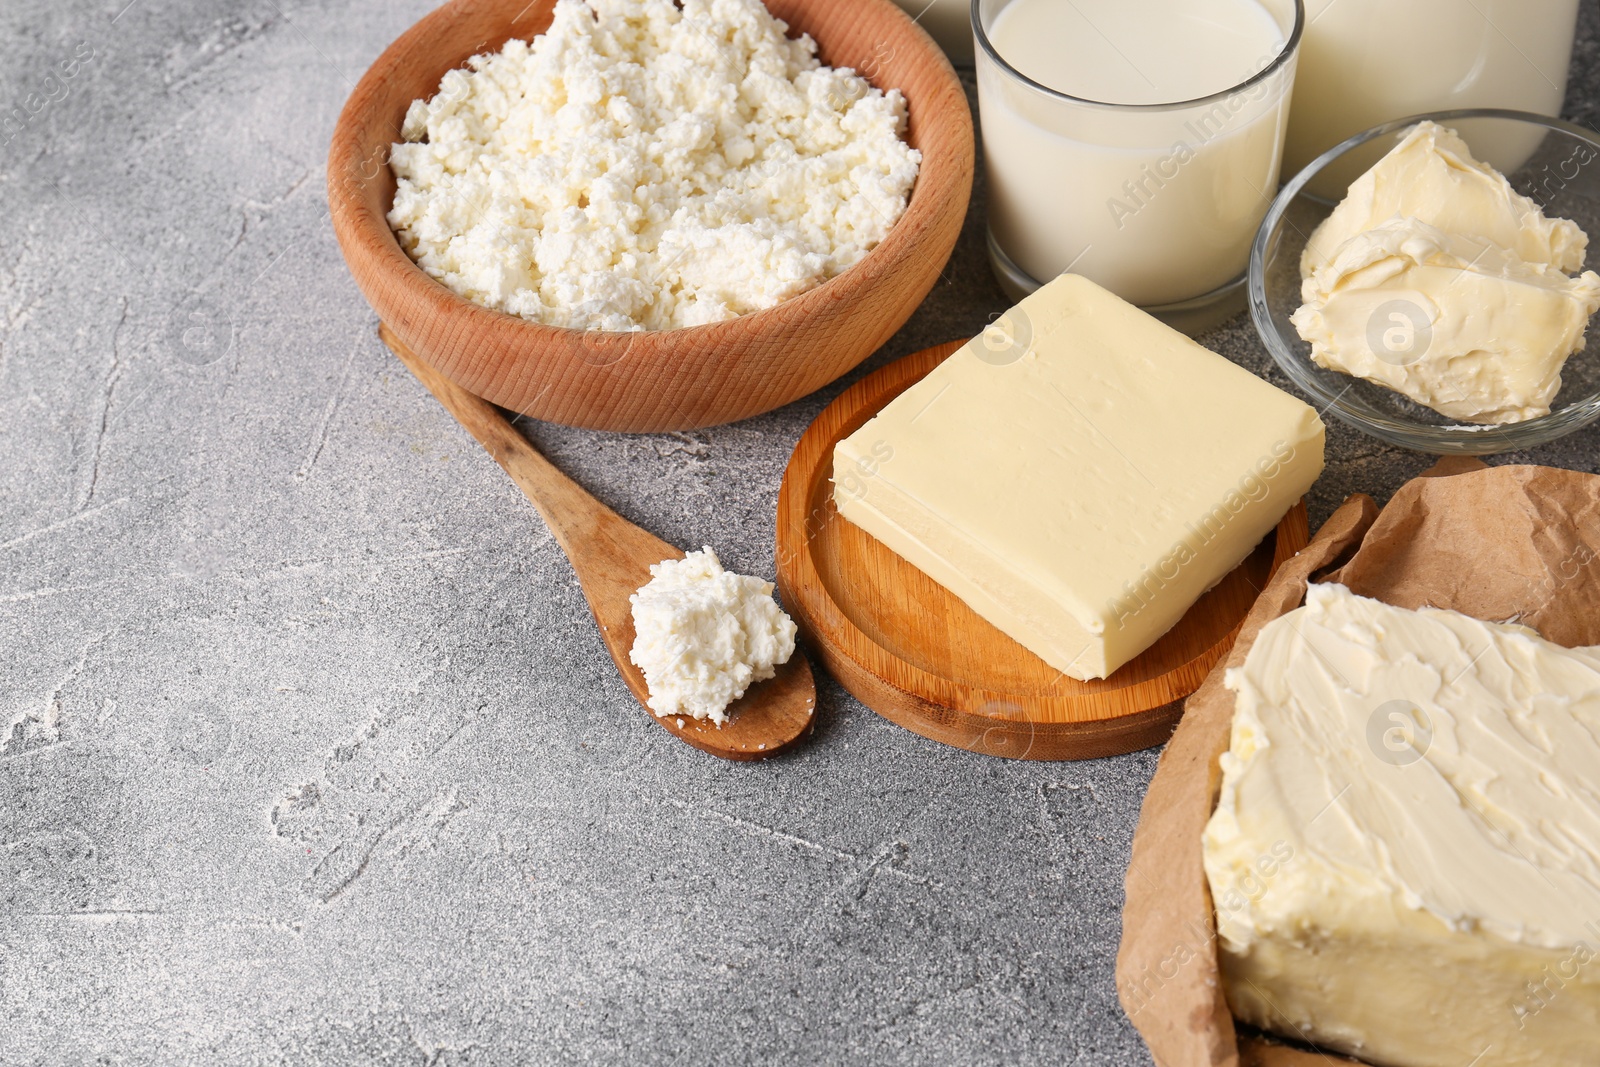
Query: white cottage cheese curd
pixel 642 165
pixel 702 635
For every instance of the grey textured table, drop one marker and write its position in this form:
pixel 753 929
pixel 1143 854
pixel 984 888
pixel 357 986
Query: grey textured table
pixel 309 751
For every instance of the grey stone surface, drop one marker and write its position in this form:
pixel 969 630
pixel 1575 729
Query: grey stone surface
pixel 309 751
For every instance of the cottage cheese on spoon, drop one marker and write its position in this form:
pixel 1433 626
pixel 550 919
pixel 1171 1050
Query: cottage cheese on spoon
pixel 648 164
pixel 703 636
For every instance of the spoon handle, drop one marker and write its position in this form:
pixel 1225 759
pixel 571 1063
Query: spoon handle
pixel 610 555
pixel 612 558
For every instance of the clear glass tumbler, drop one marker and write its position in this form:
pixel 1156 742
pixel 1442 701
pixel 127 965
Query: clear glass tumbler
pixel 1156 202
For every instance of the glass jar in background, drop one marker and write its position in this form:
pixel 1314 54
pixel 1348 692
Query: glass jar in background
pixel 1135 142
pixel 1366 62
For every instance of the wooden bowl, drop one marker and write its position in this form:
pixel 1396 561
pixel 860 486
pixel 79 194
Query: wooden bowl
pixel 666 379
pixel 910 650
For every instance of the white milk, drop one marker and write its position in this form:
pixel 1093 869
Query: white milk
pixel 1364 62
pixel 1157 204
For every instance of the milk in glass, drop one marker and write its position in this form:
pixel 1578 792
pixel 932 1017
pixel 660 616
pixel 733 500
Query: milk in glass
pixel 1366 62
pixel 1136 142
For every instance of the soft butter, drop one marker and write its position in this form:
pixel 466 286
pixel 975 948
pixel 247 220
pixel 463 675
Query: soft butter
pixel 1432 176
pixel 1079 474
pixel 1424 783
pixel 1434 278
pixel 1465 327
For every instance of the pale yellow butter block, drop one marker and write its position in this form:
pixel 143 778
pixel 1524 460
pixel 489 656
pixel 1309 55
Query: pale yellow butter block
pixel 1079 474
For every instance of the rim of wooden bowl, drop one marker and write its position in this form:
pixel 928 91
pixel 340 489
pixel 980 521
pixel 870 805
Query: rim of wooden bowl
pixel 668 379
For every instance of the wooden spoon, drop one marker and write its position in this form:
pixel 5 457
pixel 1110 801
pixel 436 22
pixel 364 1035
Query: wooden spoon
pixel 612 558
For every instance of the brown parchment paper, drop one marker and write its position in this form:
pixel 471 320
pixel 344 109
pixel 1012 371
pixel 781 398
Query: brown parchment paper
pixel 1499 543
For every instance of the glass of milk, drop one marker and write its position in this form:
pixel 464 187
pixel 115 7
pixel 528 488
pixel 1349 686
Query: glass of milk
pixel 1136 142
pixel 1367 62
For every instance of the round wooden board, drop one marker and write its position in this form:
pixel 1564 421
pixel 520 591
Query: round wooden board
pixel 912 652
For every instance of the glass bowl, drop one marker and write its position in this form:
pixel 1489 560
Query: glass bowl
pixel 1555 163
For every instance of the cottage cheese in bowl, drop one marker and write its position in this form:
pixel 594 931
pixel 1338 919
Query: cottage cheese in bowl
pixel 648 164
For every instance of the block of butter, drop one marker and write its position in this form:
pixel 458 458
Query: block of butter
pixel 1405 855
pixel 1079 474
